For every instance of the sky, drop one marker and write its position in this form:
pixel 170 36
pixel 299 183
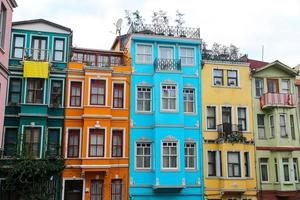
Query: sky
pixel 248 24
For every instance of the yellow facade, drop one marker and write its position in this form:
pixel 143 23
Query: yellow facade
pixel 224 104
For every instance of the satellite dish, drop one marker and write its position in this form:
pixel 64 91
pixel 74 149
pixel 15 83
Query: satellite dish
pixel 119 26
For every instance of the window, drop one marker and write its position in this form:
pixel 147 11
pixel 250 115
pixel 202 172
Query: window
pixel 115 60
pixel 190 155
pixel 18 46
pixel 32 141
pixel 53 144
pixel 242 118
pixel 97 96
pixel 170 155
pixel 272 85
pixel 286 169
pixel 143 155
pixel 212 164
pixel 58 54
pixel 292 124
pixel 39 48
pixel 96 190
pixel 15 88
pixel 285 86
pixel 56 92
pixel 211 117
pixel 73 143
pixel 144 99
pixel 272 128
pixel 89 59
pixel 169 97
pixel 283 131
pixel 276 170
pixel 234 164
pixel 117 143
pixel 144 54
pixel 116 189
pixel 3 14
pixel 166 53
pixel 75 98
pixel 218 77
pixel 10 142
pixel 247 164
pixel 261 126
pixel 96 143
pixel 259 87
pixel 187 56
pixel 189 100
pixel 103 61
pixel 232 78
pixel 264 170
pixel 118 96
pixel 35 90
pixel 296 169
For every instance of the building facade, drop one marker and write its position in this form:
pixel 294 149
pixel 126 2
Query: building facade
pixel 276 131
pixel 165 132
pixel 228 149
pixel 96 134
pixel 6 10
pixel 34 113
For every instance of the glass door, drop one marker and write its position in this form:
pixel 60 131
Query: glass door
pixel 39 48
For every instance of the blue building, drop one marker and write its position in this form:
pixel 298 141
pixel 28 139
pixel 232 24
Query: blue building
pixel 165 135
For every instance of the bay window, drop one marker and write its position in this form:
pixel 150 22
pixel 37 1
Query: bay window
pixel 144 99
pixel 170 155
pixel 233 164
pixel 169 97
pixel 189 100
pixel 143 155
pixel 190 161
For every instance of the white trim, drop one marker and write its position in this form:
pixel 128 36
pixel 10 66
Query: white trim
pixel 249 163
pixel 64 46
pixel 62 90
pixel 195 55
pixel 247 117
pixel 135 154
pixel 44 92
pixel 195 156
pixel 67 139
pixel 88 142
pixel 69 92
pixel 105 92
pixel 48 55
pixel 124 94
pixel 178 155
pixel 161 96
pixel 195 100
pixel 270 128
pixel 12 43
pixel 123 145
pixel 221 113
pixel 152 52
pixel 136 98
pixel 41 137
pixel 70 179
pixel 260 171
pixel 165 46
pixel 241 163
pixel 216 114
pixel 218 164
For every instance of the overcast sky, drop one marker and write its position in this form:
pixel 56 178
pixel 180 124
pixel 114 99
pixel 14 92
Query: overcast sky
pixel 247 24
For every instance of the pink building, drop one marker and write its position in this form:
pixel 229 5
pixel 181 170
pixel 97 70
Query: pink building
pixel 6 10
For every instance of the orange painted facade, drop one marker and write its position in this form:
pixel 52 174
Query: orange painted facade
pixel 87 119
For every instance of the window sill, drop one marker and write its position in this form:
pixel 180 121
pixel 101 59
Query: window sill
pixel 119 108
pixel 190 114
pixel 288 183
pixel 169 170
pixel 143 170
pixel 191 170
pixel 211 130
pixel 98 106
pixel 224 86
pixel 169 111
pixel 34 104
pixel 143 113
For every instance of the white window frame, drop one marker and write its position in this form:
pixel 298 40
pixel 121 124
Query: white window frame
pixel 261 127
pixel 69 93
pixel 41 138
pixel 3 25
pixel 137 53
pixel 283 126
pixel 177 156
pixel 26 89
pixel 213 77
pixel 135 156
pixel 289 170
pixel 194 101
pixel 62 90
pixel 166 46
pixel 249 164
pixel 136 94
pixel 71 179
pixel 240 161
pixel 266 164
pixel 106 92
pixel 288 89
pixel 219 166
pixel 296 169
pixel 67 140
pixel 176 97
pixel 247 117
pixel 64 49
pixel 112 94
pixel 216 116
pixel 189 156
pixel 272 127
pixel 237 77
pixel 180 55
pixel 88 142
pixel 111 142
pixel 262 89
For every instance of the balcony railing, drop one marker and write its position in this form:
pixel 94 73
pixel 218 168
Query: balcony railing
pixel 276 100
pixel 173 31
pixel 230 133
pixel 30 54
pixel 167 65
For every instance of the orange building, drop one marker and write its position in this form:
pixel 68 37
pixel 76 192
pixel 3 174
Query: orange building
pixel 96 134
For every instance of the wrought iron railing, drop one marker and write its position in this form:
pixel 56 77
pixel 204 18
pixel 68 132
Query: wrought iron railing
pixel 36 54
pixel 167 64
pixel 276 99
pixel 173 31
pixel 230 132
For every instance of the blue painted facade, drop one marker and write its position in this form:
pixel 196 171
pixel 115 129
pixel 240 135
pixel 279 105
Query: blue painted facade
pixel 158 126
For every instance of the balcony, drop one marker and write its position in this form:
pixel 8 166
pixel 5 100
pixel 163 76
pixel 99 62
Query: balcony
pixel 40 55
pixel 269 100
pixel 167 65
pixel 231 133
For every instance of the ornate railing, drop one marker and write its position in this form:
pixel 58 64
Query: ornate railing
pixel 276 99
pixel 230 133
pixel 173 31
pixel 36 54
pixel 167 65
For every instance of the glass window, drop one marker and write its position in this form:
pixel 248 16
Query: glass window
pixel 75 97
pixel 103 61
pixel 276 170
pixel 296 169
pixel 283 131
pixel 97 96
pixel 96 142
pixel 143 155
pixel 189 100
pixel 212 164
pixel 261 126
pixel 211 118
pixel 234 164
pixel 3 13
pixel 286 169
pixel 56 92
pixel 118 95
pixel 39 51
pixel 292 124
pixel 264 169
pixel 144 99
pixel 32 141
pixel 96 190
pixel 190 155
pixel 89 59
pixel 115 60
pixel 116 189
pixel 247 164
pixel 58 49
pixel 285 86
pixel 117 143
pixel 15 88
pixel 10 142
pixel 232 78
pixel 259 87
pixel 166 53
pixel 272 85
pixel 169 97
pixel 218 77
pixel 170 155
pixel 35 90
pixel 272 128
pixel 187 56
pixel 18 46
pixel 144 54
pixel 73 143
pixel 53 144
pixel 242 119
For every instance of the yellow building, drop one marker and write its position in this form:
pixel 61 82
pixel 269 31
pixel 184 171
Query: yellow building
pixel 229 158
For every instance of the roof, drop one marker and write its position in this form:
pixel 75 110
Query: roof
pixel 33 21
pixel 91 50
pixel 254 64
pixel 277 63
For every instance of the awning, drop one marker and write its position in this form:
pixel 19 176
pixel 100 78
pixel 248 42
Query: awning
pixel 34 69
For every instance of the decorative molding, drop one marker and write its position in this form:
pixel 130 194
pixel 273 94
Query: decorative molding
pixel 170 138
pixel 143 139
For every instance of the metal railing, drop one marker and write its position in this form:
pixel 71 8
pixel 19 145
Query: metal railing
pixel 31 54
pixel 228 131
pixel 167 64
pixel 277 99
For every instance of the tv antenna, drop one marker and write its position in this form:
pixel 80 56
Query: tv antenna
pixel 119 26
